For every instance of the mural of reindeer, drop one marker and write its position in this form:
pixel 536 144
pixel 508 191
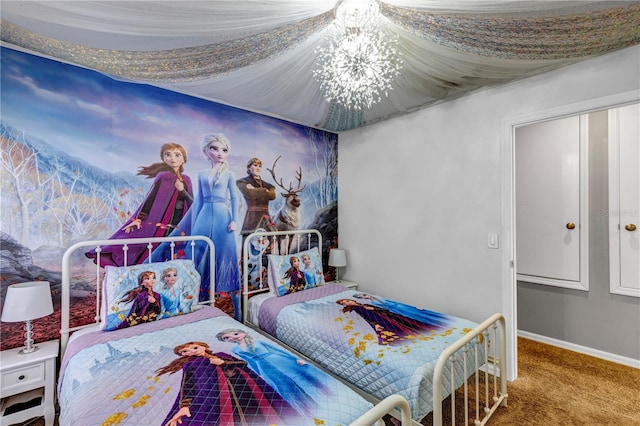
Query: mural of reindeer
pixel 288 218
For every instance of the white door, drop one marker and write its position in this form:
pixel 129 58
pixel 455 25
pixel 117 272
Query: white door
pixel 624 200
pixel 551 202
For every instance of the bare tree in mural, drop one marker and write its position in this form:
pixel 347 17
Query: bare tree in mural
pixel 117 206
pixel 324 156
pixel 20 167
pixel 74 212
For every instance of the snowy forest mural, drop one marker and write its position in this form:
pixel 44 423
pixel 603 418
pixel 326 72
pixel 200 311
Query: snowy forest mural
pixel 73 141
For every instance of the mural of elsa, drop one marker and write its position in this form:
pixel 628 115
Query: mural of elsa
pixel 300 382
pixel 213 214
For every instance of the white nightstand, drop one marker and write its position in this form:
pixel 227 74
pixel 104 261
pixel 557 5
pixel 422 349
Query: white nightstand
pixel 347 284
pixel 26 377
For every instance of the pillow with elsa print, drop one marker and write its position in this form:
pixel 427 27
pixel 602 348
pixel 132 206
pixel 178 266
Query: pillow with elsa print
pixel 295 272
pixel 138 294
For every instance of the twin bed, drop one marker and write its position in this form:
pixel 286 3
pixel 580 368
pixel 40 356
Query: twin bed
pixel 376 345
pixel 160 353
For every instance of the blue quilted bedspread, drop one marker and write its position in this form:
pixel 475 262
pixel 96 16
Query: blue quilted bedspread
pixel 380 346
pixel 223 373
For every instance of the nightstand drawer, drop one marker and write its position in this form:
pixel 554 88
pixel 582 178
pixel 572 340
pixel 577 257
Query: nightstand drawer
pixel 22 376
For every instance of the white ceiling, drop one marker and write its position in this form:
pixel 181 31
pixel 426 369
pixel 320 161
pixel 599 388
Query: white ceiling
pixel 259 55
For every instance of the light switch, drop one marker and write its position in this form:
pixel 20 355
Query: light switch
pixel 493 241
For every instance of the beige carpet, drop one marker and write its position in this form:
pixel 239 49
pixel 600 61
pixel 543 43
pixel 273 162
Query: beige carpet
pixel 557 387
pixel 561 387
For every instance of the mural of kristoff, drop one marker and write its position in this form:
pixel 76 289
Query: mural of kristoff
pixel 257 194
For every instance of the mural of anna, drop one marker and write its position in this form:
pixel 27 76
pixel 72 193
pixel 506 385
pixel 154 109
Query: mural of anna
pixel 163 207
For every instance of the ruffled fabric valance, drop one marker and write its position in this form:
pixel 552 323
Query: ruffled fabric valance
pixel 260 55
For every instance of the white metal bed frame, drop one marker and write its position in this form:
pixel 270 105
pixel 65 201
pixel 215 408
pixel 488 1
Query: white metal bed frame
pixel 492 329
pixel 384 407
pixel 150 243
pixel 373 416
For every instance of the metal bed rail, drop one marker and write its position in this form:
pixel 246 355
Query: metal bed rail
pixel 384 407
pixel 492 334
pixel 151 243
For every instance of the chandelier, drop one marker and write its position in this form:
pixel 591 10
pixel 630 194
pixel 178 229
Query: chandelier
pixel 360 60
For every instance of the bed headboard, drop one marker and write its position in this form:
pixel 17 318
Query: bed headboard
pixel 70 259
pixel 276 242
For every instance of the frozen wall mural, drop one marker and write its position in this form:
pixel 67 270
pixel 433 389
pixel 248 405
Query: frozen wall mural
pixel 85 156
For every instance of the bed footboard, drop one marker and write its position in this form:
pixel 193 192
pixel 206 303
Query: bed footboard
pixel 384 407
pixel 488 393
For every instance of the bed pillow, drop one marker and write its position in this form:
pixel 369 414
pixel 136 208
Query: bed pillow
pixel 285 279
pixel 124 305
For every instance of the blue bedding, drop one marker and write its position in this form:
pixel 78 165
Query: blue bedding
pixel 380 346
pixel 203 368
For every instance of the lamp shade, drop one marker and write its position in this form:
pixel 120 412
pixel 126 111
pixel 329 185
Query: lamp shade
pixel 337 258
pixel 27 301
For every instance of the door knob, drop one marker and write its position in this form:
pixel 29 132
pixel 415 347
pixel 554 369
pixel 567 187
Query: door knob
pixel 571 225
pixel 630 227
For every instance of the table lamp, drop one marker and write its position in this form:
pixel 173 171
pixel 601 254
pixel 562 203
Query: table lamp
pixel 337 259
pixel 25 302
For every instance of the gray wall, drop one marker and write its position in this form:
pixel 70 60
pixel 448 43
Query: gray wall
pixel 596 319
pixel 419 194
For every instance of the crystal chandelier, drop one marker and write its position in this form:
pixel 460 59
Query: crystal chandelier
pixel 360 61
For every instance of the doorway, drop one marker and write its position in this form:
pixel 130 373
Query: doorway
pixel 509 278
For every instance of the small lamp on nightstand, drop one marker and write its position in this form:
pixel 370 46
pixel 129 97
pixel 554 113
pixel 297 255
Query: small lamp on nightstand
pixel 337 259
pixel 26 302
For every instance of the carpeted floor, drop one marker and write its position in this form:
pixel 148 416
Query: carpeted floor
pixel 560 387
pixel 557 387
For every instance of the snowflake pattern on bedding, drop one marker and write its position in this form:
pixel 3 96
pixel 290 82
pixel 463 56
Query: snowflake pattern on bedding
pixel 148 378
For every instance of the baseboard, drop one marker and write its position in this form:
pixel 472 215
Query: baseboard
pixel 581 349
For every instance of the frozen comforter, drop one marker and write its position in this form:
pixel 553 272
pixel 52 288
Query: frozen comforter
pixel 380 346
pixel 203 368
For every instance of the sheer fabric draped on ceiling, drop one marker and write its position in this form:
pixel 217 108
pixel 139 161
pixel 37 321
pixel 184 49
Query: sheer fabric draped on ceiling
pixel 259 55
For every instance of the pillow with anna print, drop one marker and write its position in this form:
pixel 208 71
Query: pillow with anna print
pixel 295 272
pixel 148 292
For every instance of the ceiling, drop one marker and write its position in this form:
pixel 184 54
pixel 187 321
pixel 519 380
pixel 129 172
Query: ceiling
pixel 259 55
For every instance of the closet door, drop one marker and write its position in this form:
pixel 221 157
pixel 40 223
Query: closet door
pixel 551 203
pixel 624 200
